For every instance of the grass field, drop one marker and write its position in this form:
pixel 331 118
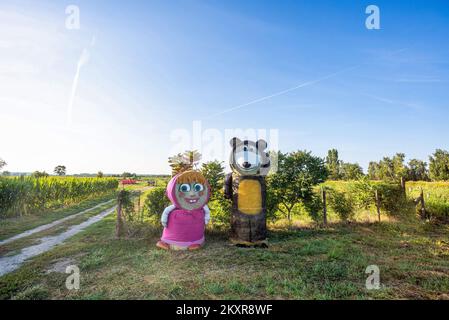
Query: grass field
pixel 413 258
pixel 13 226
pixel 304 261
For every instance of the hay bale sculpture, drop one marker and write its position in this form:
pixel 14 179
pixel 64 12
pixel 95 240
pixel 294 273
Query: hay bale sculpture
pixel 246 187
pixel 185 220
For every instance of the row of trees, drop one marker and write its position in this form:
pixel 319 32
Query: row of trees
pixel 339 170
pixel 391 168
pixel 297 188
pixel 388 169
pixel 294 183
pixel 395 168
pixel 59 170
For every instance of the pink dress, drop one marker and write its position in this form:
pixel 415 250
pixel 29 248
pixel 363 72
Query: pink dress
pixel 184 228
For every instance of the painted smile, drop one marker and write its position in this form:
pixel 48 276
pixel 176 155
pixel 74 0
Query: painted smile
pixel 192 200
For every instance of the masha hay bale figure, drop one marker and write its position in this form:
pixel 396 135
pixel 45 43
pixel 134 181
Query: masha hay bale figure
pixel 185 220
pixel 246 187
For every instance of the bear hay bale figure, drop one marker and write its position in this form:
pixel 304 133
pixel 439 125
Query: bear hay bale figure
pixel 247 189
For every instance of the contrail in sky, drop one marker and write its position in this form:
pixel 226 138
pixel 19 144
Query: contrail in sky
pixel 83 60
pixel 302 85
pixel 394 102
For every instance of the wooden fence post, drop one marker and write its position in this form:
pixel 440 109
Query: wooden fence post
pixel 423 205
pixel 378 205
pixel 118 225
pixel 323 193
pixel 139 212
pixel 404 189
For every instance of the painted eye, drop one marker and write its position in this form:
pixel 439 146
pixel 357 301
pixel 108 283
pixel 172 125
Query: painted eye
pixel 198 187
pixel 184 187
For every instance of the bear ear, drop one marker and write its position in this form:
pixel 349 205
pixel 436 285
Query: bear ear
pixel 261 144
pixel 234 142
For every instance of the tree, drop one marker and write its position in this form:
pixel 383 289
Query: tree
pixel 333 164
pixel 100 174
pixel 60 170
pixel 177 164
pixel 399 168
pixel 2 163
pixel 220 207
pixel 126 175
pixel 213 171
pixel 392 169
pixel 439 165
pixel 298 172
pixel 350 171
pixel 339 170
pixel 417 170
pixel 181 162
pixel 39 174
pixel 373 170
pixel 6 173
pixel 193 158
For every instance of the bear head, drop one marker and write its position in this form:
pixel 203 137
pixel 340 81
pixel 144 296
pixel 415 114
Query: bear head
pixel 249 157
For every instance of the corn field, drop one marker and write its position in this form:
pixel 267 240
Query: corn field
pixel 28 195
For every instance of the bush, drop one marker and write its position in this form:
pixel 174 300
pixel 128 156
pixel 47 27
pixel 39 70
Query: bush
pixel 392 200
pixel 340 203
pixel 155 202
pixel 361 194
pixel 125 197
pixel 313 207
pixel 220 209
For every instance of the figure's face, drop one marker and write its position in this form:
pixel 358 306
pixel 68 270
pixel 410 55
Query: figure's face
pixel 247 160
pixel 191 196
pixel 248 157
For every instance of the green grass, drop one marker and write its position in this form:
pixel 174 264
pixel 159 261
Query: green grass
pixel 12 226
pixel 16 246
pixel 309 263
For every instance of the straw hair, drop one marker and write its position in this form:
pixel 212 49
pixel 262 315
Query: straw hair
pixel 191 177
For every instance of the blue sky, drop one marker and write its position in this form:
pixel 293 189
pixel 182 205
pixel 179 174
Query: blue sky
pixel 154 67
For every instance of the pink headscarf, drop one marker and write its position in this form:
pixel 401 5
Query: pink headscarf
pixel 171 191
